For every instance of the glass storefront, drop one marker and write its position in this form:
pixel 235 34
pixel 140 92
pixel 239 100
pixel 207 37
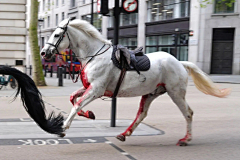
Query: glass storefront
pixel 130 43
pixel 165 43
pixel 159 10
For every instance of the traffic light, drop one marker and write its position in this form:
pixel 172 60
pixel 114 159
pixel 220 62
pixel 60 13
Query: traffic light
pixel 190 32
pixel 174 39
pixel 104 10
pixel 183 39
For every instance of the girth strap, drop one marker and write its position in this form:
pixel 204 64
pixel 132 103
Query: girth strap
pixel 122 75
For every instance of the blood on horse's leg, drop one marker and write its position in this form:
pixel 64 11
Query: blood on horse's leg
pixel 188 136
pixel 73 100
pixel 87 114
pixel 142 113
pixel 178 98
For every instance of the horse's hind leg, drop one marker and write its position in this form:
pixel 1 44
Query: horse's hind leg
pixel 142 113
pixel 73 100
pixel 178 97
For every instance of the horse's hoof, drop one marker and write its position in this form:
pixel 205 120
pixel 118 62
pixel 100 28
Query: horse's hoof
pixel 182 143
pixel 62 135
pixel 87 114
pixel 91 115
pixel 121 137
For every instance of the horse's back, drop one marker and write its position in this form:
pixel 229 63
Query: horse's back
pixel 165 69
pixel 173 72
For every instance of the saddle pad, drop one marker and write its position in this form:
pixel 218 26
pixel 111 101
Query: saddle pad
pixel 143 62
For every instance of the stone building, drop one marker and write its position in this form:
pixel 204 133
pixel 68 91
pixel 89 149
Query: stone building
pixel 163 25
pixel 12 32
pixel 214 46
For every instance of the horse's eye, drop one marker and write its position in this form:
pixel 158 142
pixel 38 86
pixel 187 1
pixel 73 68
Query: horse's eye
pixel 56 35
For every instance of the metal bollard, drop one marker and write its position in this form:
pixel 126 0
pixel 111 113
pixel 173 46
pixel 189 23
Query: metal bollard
pixel 73 71
pixel 30 70
pixel 60 76
pixel 57 71
pixel 65 71
pixel 69 72
pixel 51 72
pixel 45 70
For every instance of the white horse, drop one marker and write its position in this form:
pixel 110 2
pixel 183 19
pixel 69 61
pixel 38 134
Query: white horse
pixel 99 75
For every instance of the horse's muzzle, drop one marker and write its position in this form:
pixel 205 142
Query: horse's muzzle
pixel 46 54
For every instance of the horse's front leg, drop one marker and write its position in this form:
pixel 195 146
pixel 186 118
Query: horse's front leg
pixel 91 93
pixel 73 100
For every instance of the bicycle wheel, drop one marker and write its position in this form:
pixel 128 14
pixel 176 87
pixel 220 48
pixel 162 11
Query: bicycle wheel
pixel 13 85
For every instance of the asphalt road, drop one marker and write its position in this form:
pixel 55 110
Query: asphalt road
pixel 216 129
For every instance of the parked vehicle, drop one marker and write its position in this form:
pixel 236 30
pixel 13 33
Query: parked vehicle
pixel 67 57
pixel 4 82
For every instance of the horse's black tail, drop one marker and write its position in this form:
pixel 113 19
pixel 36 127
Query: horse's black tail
pixel 33 103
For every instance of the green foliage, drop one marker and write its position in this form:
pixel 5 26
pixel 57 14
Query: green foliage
pixel 204 3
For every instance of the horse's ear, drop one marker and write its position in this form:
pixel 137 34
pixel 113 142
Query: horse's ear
pixel 69 19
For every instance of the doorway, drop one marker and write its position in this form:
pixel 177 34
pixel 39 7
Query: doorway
pixel 222 50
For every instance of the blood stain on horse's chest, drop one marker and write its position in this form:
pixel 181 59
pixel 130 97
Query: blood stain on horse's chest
pixel 84 79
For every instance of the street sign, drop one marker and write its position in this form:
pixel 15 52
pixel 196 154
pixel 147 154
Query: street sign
pixel 130 6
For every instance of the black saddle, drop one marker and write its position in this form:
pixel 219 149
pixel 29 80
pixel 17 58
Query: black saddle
pixel 130 59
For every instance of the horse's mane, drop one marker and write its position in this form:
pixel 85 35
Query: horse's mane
pixel 88 29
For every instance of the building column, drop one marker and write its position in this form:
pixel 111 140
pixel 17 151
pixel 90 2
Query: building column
pixel 194 26
pixel 104 26
pixel 142 15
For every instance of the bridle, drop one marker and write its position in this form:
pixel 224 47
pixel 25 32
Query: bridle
pixel 91 57
pixel 61 38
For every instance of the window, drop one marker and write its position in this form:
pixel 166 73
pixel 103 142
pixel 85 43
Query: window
pixel 42 42
pixel 49 4
pixel 56 3
pixel 125 19
pixel 159 10
pixel 83 2
pixel 18 62
pixel 128 19
pixel 72 3
pixel 63 16
pixel 43 23
pixel 48 21
pixel 97 20
pixel 56 19
pixel 43 5
pixel 222 7
pixel 165 43
pixel 130 43
pixel 62 2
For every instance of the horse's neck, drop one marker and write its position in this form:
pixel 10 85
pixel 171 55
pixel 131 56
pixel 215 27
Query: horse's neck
pixel 83 45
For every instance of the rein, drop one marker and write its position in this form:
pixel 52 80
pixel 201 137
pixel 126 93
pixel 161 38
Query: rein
pixel 82 68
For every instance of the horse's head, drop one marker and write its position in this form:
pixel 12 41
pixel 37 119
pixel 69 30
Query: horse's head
pixel 58 41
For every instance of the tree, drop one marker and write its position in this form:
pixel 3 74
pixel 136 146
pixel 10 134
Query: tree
pixel 38 76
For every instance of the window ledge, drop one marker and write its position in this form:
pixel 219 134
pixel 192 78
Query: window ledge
pixel 73 8
pixel 225 14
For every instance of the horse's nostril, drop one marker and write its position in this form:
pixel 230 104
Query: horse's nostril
pixel 43 53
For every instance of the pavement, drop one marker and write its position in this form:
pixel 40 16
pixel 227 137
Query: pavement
pixel 216 127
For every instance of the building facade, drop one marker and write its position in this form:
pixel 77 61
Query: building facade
pixel 163 25
pixel 13 33
pixel 214 46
